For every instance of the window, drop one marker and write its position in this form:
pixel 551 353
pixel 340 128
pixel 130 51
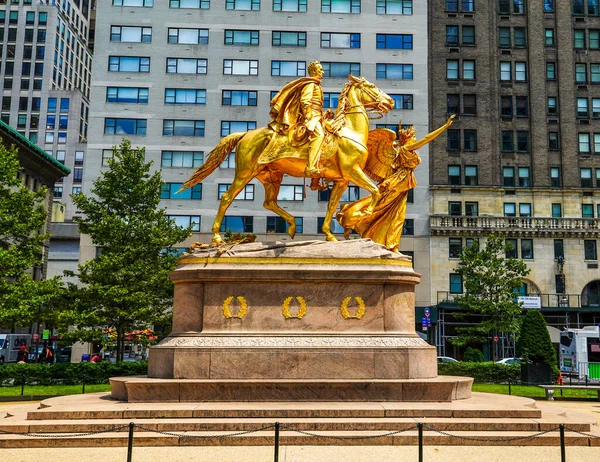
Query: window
pixel 527 249
pixel 510 209
pixel 522 106
pixel 189 36
pixel 504 37
pixel 184 96
pixel 598 182
pixel 454 175
pixel 452 104
pixel 298 6
pixel 468 69
pixel 186 66
pixel 77 175
pixel 595 73
pixel 555 177
pixel 279 225
pixel 451 35
pixel 340 70
pixel 228 127
pixel 240 67
pixel 453 140
pixel 511 251
pixel 508 177
pixel 456 285
pixel 524 177
pixel 559 249
pixel 247 194
pixel 452 69
pixel 524 210
pixel 63 122
pixel 553 143
pixel 468 35
pixel 550 71
pixel 127 95
pixel 455 208
pixel 237 224
pixel 181 159
pixel 291 193
pixel 340 6
pixel 549 37
pixel 79 157
pixel 587 210
pixel 169 191
pixel 520 72
pixel 351 194
pixel 519 37
pixel 186 221
pixel 76 190
pixel 552 105
pixel 556 210
pixel 408 229
pixel 581 73
pixel 507 141
pixel 242 5
pixel 131 34
pixel 394 6
pixel 288 68
pixel 144 3
pixel 595 108
pixel 128 64
pixel 589 249
pixel 395 71
pixel 196 4
pixel 229 161
pixel 506 106
pixel 594 42
pixel 401 101
pixel 470 140
pixel 585 175
pixel 471 209
pixel 51 105
pixel 593 7
pixel 471 178
pixel 522 141
pixel 183 127
pixel 238 98
pixel 241 37
pixel 454 247
pixel 124 126
pixel 288 39
pixel 579 39
pixel 339 40
pixel 582 108
pixel 584 142
pixel 396 41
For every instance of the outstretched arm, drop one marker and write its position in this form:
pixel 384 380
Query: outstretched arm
pixel 429 137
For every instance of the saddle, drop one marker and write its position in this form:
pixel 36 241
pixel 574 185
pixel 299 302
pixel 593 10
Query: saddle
pixel 294 144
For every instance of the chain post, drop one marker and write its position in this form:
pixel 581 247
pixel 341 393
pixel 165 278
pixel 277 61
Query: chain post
pixel 563 456
pixel 276 455
pixel 83 385
pixel 509 390
pixel 23 380
pixel 420 427
pixel 130 442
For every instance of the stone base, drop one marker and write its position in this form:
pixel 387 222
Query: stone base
pixel 143 389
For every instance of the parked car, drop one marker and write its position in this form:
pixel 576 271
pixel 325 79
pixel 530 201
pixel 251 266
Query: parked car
pixel 508 361
pixel 446 359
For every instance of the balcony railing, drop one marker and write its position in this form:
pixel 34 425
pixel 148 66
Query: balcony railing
pixel 546 300
pixel 446 224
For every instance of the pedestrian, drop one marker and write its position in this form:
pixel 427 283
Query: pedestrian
pixel 96 358
pixel 48 355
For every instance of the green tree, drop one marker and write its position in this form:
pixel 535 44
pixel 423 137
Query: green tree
pixel 23 215
pixel 490 281
pixel 127 286
pixel 473 355
pixel 534 342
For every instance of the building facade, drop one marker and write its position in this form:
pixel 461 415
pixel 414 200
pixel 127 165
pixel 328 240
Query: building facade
pixel 176 76
pixel 521 157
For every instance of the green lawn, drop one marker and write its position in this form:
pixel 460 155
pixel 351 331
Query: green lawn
pixel 532 391
pixel 52 390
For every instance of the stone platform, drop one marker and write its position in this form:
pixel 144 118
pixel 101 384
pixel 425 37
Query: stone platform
pixel 483 419
pixel 312 320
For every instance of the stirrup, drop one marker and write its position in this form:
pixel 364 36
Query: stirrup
pixel 309 171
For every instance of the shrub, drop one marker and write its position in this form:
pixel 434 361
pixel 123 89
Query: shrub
pixel 473 355
pixel 534 342
pixel 488 372
pixel 67 373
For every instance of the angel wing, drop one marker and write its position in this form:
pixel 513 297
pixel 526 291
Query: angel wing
pixel 382 154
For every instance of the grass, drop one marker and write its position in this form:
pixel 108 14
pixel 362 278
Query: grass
pixel 51 390
pixel 532 391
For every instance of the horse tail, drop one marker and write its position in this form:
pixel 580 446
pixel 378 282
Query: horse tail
pixel 215 158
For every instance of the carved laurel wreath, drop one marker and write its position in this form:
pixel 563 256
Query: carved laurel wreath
pixel 360 312
pixel 242 311
pixel 285 308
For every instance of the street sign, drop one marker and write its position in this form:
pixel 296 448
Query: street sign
pixel 36 336
pixel 496 339
pixel 530 302
pixel 46 334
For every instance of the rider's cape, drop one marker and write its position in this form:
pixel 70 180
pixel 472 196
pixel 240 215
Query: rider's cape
pixel 285 105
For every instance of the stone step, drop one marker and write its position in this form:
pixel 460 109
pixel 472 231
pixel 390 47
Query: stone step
pixel 287 438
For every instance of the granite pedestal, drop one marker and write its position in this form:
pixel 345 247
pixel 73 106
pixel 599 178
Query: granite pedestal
pixel 305 321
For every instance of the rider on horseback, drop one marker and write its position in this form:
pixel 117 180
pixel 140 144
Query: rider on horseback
pixel 299 106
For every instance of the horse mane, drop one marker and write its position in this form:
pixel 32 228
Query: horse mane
pixel 339 120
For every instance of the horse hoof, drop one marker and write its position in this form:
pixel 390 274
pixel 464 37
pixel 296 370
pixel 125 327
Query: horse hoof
pixel 332 239
pixel 347 234
pixel 216 241
pixel 291 231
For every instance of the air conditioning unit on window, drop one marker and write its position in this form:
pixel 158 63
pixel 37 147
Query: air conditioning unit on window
pixel 582 87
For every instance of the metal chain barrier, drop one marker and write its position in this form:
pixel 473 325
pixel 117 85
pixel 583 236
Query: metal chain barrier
pixel 491 440
pixel 333 437
pixel 66 435
pixel 589 435
pixel 183 435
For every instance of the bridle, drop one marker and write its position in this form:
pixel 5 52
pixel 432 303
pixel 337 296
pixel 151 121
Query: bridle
pixel 372 107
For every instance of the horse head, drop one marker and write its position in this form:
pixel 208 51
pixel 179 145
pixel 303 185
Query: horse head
pixel 372 97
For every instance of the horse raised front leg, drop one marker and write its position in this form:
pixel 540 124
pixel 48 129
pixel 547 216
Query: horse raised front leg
pixel 334 199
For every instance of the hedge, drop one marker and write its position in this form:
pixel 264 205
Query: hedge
pixel 489 372
pixel 67 373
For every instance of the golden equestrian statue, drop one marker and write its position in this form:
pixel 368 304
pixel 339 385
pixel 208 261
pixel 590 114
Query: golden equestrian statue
pixel 394 169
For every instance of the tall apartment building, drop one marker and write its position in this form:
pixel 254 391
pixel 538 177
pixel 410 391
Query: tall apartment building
pixel 45 74
pixel 175 76
pixel 521 158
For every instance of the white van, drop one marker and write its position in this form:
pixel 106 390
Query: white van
pixel 10 344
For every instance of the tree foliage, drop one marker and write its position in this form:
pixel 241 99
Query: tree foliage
pixel 473 355
pixel 534 342
pixel 23 215
pixel 127 286
pixel 490 281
